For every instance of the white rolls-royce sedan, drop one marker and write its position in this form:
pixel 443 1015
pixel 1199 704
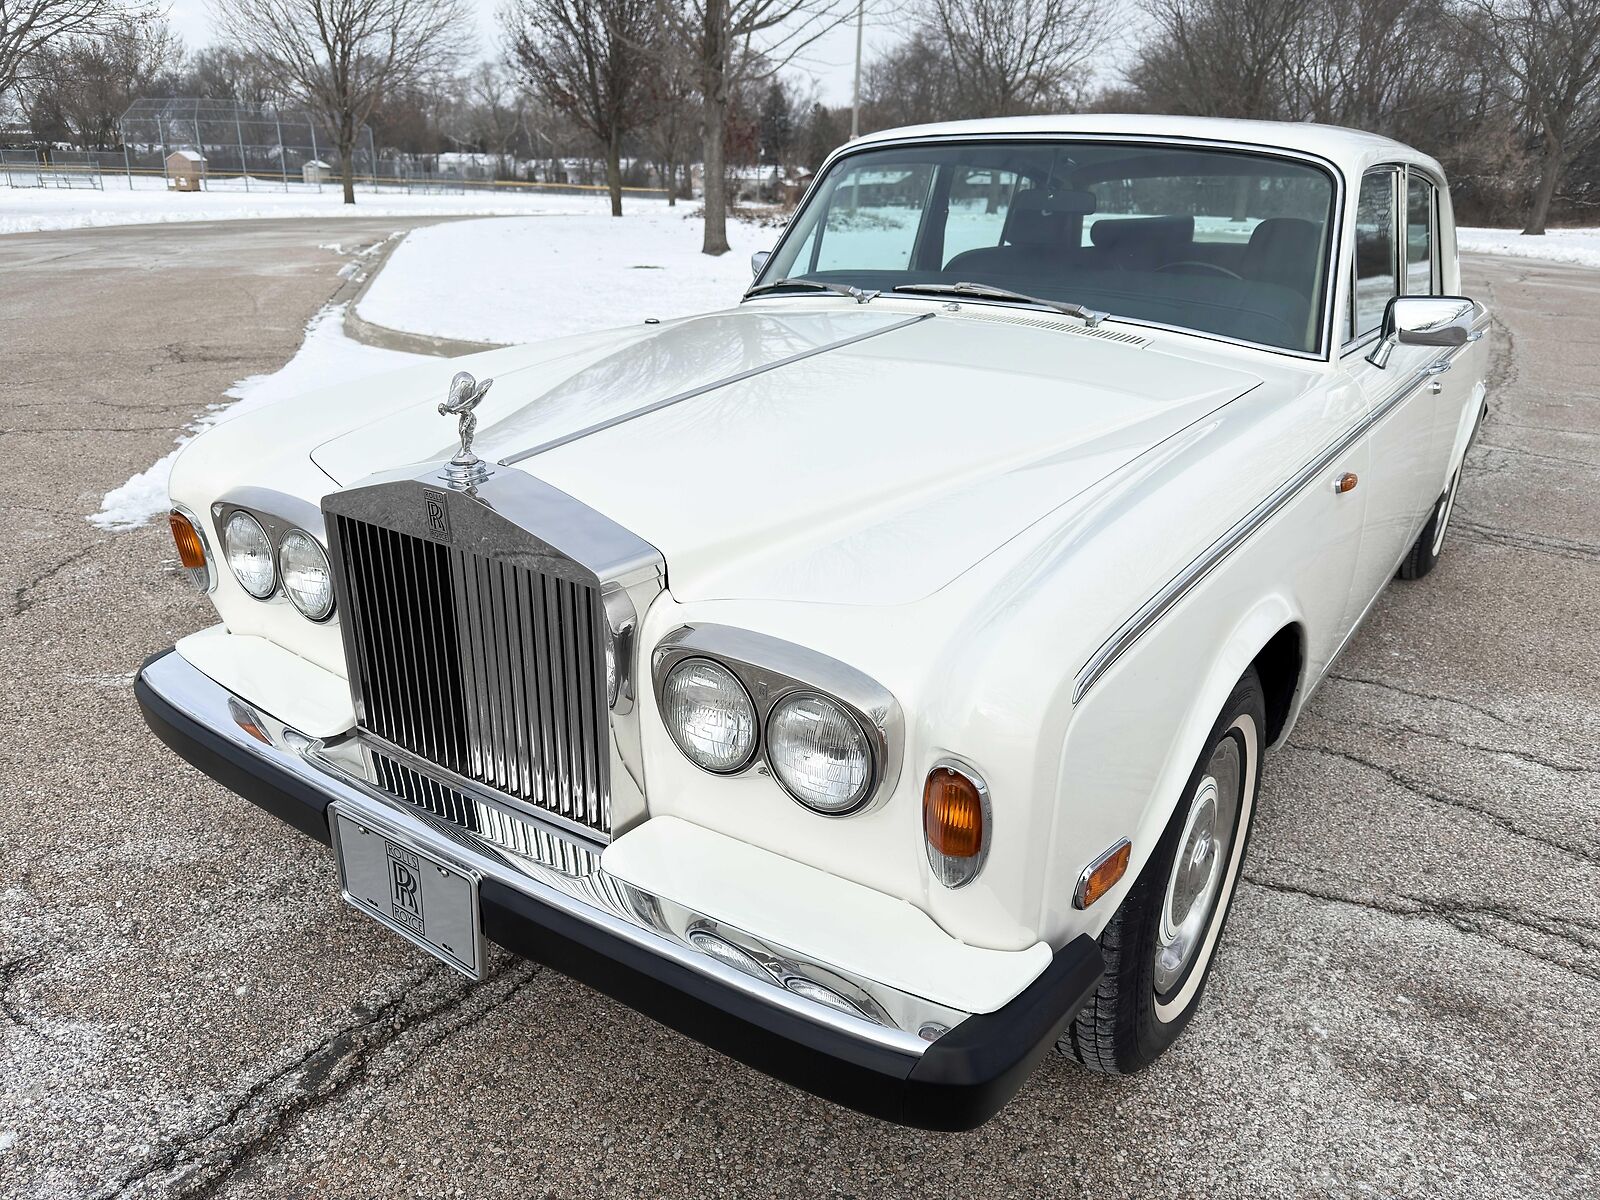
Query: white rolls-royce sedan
pixel 870 679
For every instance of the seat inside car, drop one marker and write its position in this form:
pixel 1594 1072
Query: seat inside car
pixel 1040 234
pixel 1283 250
pixel 1141 243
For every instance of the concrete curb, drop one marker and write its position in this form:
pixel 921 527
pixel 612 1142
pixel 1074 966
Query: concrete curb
pixel 370 334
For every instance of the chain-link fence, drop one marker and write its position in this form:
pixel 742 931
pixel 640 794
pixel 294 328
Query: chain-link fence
pixel 233 145
pixel 21 168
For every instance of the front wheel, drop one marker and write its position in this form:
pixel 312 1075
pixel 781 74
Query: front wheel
pixel 1159 946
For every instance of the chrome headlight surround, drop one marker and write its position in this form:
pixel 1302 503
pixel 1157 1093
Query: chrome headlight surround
pixel 280 516
pixel 772 670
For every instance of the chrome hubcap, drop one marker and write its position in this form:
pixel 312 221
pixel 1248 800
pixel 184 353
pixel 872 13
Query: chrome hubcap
pixel 1204 850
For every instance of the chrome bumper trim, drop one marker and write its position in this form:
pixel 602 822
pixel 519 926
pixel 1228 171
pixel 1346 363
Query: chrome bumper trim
pixel 576 884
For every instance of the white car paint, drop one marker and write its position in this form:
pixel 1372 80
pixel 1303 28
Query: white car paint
pixel 965 508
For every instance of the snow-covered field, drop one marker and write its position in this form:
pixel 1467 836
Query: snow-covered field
pixel 325 358
pixel 28 210
pixel 1578 246
pixel 515 281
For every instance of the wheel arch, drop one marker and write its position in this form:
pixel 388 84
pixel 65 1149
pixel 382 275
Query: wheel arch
pixel 1269 635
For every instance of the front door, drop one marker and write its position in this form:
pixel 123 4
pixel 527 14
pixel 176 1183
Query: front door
pixel 1400 484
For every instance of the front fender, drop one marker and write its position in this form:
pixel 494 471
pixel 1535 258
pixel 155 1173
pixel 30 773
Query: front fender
pixel 1137 734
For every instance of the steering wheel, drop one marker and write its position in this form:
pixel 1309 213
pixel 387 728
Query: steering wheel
pixel 1203 267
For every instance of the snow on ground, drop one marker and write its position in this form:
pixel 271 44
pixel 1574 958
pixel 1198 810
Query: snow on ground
pixel 1578 246
pixel 325 358
pixel 26 210
pixel 517 281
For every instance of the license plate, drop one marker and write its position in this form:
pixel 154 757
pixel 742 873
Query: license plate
pixel 399 883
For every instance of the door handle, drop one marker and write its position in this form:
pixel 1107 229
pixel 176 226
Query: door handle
pixel 1437 368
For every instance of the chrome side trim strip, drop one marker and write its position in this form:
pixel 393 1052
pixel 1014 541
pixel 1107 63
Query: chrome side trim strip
pixel 702 389
pixel 1237 534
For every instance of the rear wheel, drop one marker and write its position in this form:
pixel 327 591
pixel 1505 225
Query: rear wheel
pixel 1160 945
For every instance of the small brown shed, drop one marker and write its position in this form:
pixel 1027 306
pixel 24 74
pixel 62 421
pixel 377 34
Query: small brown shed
pixel 186 170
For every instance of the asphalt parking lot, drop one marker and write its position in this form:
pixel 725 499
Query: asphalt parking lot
pixel 1404 1004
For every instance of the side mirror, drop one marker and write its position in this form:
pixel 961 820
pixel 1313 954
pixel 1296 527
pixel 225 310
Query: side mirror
pixel 1424 321
pixel 757 261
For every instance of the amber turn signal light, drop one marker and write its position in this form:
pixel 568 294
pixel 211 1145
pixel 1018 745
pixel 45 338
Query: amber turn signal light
pixel 191 544
pixel 1102 874
pixel 191 551
pixel 952 814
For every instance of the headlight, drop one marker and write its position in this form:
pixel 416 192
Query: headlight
pixel 250 555
pixel 306 577
pixel 709 715
pixel 819 753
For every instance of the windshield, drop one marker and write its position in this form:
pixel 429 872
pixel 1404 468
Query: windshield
pixel 1217 241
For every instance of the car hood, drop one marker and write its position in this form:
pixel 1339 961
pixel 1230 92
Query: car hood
pixel 824 454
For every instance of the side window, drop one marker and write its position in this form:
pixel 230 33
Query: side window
pixel 1376 282
pixel 980 198
pixel 1422 243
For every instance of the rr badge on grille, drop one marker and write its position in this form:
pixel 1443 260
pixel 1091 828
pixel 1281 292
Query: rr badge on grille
pixel 438 515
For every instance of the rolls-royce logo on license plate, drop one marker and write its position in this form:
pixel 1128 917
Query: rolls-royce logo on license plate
pixel 438 516
pixel 405 887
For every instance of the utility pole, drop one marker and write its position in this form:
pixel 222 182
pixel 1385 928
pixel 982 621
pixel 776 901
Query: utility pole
pixel 855 105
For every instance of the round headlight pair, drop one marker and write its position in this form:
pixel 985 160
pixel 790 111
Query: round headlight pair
pixel 307 579
pixel 817 750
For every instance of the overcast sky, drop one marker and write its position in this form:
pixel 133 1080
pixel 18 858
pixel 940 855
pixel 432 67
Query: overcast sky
pixel 830 61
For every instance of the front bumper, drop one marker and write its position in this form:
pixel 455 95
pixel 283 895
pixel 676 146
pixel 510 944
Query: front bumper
pixel 630 945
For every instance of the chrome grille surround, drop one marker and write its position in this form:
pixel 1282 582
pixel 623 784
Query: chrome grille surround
pixel 477 626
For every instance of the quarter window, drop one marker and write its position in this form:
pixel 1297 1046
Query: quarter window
pixel 1422 251
pixel 1376 280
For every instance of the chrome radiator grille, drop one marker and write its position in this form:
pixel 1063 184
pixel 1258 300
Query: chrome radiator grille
pixel 491 670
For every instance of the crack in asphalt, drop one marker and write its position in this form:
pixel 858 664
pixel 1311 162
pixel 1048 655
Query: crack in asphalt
pixel 1585 854
pixel 1420 695
pixel 200 1162
pixel 1520 540
pixel 1557 458
pixel 22 598
pixel 1527 756
pixel 10 972
pixel 1469 918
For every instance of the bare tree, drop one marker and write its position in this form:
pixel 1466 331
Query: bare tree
pixel 87 83
pixel 30 27
pixel 1013 55
pixel 730 43
pixel 1217 58
pixel 589 59
pixel 1545 56
pixel 674 111
pixel 341 56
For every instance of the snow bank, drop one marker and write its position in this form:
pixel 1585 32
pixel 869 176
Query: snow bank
pixel 517 281
pixel 325 358
pixel 1578 246
pixel 28 210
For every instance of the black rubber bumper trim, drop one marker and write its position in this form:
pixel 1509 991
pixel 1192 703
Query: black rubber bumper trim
pixel 958 1083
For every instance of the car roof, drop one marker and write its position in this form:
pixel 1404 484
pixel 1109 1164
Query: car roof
pixel 1351 149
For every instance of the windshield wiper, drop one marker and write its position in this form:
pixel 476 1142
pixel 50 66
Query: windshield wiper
pixel 1091 316
pixel 859 295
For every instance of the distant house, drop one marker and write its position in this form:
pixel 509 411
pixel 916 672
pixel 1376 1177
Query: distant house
pixel 316 171
pixel 186 170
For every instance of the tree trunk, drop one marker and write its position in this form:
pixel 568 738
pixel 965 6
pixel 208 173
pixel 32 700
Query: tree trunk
pixel 716 118
pixel 347 158
pixel 1549 177
pixel 614 173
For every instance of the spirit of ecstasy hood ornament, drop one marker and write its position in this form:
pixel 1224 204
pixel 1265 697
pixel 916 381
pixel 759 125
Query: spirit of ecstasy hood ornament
pixel 466 468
